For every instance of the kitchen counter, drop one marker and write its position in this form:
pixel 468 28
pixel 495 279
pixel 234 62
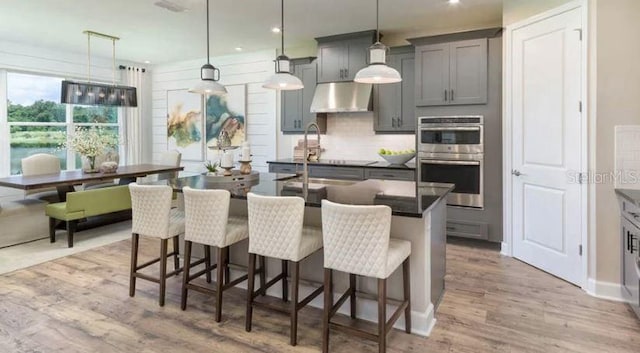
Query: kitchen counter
pixel 404 198
pixel 630 195
pixel 347 163
pixel 419 216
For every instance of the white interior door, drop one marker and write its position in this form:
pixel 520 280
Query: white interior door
pixel 546 139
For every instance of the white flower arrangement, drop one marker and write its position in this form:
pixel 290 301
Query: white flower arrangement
pixel 91 142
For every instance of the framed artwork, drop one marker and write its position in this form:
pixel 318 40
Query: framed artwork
pixel 185 124
pixel 226 117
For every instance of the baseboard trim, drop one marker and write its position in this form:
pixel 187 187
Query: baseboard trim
pixel 605 290
pixel 505 250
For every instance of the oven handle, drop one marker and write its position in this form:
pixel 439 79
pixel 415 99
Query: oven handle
pixel 435 161
pixel 458 128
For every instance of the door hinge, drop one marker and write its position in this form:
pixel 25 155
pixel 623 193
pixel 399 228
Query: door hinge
pixel 580 249
pixel 580 106
pixel 579 30
pixel 581 178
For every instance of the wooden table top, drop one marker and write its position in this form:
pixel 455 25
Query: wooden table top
pixel 76 177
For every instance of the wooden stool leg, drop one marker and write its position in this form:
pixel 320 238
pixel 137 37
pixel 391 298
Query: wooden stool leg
pixel 227 271
pixel 294 302
pixel 250 286
pixel 163 269
pixel 135 238
pixel 186 274
pixel 407 294
pixel 263 276
pixel 328 305
pixel 285 284
pixel 52 229
pixel 382 315
pixel 352 300
pixel 207 262
pixel 219 283
pixel 176 250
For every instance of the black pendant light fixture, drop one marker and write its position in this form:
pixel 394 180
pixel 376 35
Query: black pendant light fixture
pixel 89 93
pixel 378 72
pixel 209 74
pixel 283 79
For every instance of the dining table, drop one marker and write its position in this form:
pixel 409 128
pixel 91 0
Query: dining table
pixel 65 180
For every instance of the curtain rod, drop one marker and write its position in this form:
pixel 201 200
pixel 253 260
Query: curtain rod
pixel 122 67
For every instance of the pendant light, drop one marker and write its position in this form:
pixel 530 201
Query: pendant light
pixel 90 93
pixel 209 75
pixel 378 72
pixel 283 79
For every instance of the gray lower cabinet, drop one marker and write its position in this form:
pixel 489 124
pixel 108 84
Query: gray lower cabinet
pixel 347 173
pixel 395 103
pixel 330 172
pixel 341 57
pixel 390 174
pixel 453 73
pixel 466 229
pixel 296 105
pixel 283 168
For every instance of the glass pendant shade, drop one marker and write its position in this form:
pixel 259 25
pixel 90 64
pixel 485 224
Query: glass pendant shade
pixel 283 79
pixel 208 84
pixel 378 72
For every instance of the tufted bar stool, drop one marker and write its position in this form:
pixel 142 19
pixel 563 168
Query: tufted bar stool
pixel 357 241
pixel 207 222
pixel 153 216
pixel 276 230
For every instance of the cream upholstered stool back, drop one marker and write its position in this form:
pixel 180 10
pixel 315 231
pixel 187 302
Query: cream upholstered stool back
pixel 153 216
pixel 40 164
pixel 357 241
pixel 276 230
pixel 207 222
pixel 172 158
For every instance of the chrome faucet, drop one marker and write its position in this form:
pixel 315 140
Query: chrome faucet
pixel 305 164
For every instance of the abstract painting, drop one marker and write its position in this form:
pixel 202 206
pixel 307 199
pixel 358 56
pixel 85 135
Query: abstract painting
pixel 185 124
pixel 226 115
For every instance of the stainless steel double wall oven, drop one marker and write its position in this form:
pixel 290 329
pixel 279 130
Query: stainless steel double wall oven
pixel 451 150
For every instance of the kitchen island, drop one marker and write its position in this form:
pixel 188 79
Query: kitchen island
pixel 419 216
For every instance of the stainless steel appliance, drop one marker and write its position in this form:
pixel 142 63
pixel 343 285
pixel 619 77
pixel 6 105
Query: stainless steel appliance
pixel 450 134
pixel 450 151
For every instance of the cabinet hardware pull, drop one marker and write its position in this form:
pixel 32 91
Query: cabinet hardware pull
pixel 393 122
pixel 628 240
pixel 445 95
pixel 452 96
pixel 346 73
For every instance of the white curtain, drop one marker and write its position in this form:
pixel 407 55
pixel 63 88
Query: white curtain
pixel 134 77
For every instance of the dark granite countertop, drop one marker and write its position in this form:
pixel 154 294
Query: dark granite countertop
pixel 404 197
pixel 348 163
pixel 631 195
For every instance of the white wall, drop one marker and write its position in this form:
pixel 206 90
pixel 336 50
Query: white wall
pixel 251 69
pixel 349 136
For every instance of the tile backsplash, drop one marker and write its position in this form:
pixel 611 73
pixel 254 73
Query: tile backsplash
pixel 351 136
pixel 627 156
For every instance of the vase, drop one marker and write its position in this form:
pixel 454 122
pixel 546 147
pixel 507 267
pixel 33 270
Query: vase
pixel 89 164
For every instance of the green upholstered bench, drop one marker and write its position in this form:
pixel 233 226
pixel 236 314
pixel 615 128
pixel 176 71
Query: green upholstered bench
pixel 83 204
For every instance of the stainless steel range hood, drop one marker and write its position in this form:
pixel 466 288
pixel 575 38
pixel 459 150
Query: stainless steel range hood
pixel 342 97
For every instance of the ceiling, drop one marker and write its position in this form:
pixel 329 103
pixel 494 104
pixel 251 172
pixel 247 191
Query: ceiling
pixel 152 33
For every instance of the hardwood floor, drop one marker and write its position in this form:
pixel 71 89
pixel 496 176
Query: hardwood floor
pixel 492 304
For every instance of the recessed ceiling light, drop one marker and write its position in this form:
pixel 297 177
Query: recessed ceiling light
pixel 238 48
pixel 454 1
pixel 275 29
pixel 147 62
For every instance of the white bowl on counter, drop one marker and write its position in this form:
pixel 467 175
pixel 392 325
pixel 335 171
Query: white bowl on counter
pixel 398 158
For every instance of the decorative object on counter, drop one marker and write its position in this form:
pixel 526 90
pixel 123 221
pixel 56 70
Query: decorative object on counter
pixel 91 143
pixel 378 72
pixel 397 157
pixel 212 168
pixel 184 124
pixel 245 167
pixel 227 159
pixel 314 147
pixel 227 113
pixel 109 167
pixel 227 171
pixel 209 74
pixel 246 152
pixel 283 79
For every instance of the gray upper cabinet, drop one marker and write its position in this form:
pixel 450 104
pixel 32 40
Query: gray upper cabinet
pixel 296 105
pixel 395 103
pixel 452 73
pixel 341 57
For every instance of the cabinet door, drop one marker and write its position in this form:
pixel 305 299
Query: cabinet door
pixel 291 114
pixel 630 280
pixel 432 74
pixel 308 74
pixel 356 57
pixel 468 68
pixel 331 62
pixel 406 64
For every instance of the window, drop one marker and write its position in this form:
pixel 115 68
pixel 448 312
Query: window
pixel 38 123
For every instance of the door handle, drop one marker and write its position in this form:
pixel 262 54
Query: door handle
pixel 452 95
pixel 393 122
pixel 516 172
pixel 346 73
pixel 445 95
pixel 628 240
